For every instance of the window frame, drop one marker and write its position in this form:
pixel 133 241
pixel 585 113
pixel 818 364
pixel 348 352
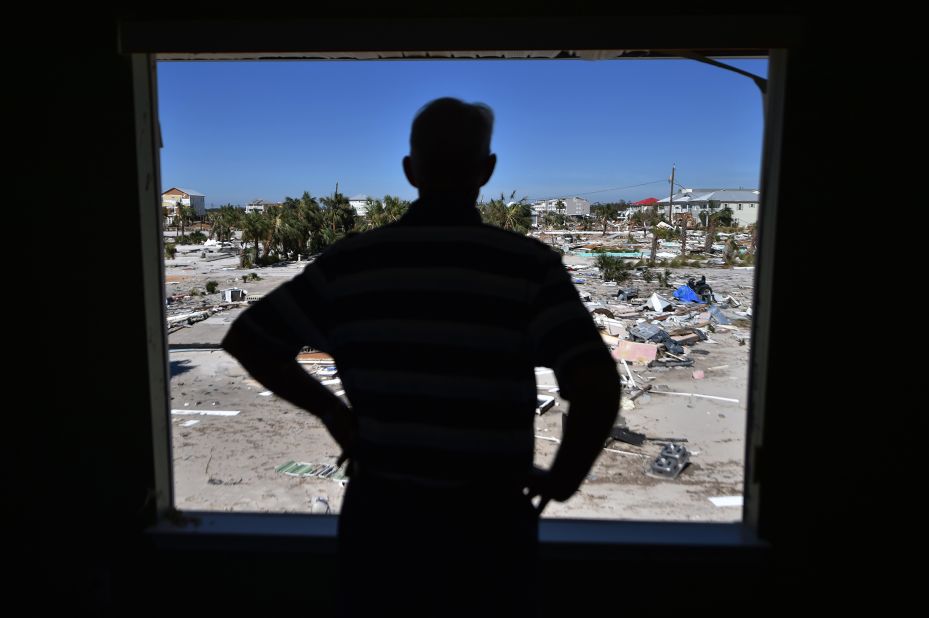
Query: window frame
pixel 143 41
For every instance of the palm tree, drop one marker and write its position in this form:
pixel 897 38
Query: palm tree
pixel 273 215
pixel 338 217
pixel 255 226
pixel 493 212
pixel 394 208
pixel 604 213
pixel 288 235
pixel 517 217
pixel 553 219
pixel 375 214
pixel 710 232
pixel 225 221
pixel 184 214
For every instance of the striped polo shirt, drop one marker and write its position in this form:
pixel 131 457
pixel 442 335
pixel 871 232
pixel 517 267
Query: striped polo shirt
pixel 436 323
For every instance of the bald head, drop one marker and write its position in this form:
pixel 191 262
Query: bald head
pixel 450 146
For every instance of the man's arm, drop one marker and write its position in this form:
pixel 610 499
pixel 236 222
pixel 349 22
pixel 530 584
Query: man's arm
pixel 594 390
pixel 287 379
pixel 267 337
pixel 565 338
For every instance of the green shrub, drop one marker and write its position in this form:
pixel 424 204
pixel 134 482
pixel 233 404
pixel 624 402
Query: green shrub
pixel 664 277
pixel 612 268
pixel 211 287
pixel 170 251
pixel 196 238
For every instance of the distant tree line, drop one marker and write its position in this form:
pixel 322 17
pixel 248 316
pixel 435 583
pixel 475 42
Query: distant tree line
pixel 298 226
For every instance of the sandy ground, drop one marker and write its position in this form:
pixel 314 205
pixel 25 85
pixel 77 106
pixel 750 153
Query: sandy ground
pixel 228 463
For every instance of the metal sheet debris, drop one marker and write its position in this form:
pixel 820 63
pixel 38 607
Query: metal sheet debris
pixel 543 403
pixel 657 303
pixel 717 314
pixel 630 437
pixel 727 501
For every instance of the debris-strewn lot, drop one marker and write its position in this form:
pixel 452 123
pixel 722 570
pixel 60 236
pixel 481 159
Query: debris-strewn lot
pixel 237 447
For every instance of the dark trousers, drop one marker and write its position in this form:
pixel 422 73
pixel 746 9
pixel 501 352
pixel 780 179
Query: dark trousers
pixel 413 551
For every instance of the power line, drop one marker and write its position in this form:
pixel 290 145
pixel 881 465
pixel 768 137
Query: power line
pixel 601 190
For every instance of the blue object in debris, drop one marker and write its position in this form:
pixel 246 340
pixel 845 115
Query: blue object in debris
pixel 686 294
pixel 579 281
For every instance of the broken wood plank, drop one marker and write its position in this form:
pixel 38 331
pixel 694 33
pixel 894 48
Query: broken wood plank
pixel 690 339
pixel 636 394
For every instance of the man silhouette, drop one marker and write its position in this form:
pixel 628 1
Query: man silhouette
pixel 436 323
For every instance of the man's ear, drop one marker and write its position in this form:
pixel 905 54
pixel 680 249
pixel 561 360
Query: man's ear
pixel 489 166
pixel 408 171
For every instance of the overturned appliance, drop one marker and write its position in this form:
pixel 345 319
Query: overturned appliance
pixel 669 463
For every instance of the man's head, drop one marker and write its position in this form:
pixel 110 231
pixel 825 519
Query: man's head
pixel 450 147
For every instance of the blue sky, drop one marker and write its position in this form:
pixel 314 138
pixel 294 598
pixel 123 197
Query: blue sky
pixel 240 130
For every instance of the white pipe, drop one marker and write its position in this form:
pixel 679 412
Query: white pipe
pixel 695 395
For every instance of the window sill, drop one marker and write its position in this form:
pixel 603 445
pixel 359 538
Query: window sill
pixel 559 538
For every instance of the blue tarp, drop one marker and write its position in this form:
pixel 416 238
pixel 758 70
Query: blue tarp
pixel 687 295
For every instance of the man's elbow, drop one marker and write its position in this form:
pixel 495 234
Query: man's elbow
pixel 596 386
pixel 231 342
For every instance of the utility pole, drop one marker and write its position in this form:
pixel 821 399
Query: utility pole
pixel 684 219
pixel 671 197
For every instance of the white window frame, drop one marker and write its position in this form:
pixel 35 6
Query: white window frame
pixel 319 530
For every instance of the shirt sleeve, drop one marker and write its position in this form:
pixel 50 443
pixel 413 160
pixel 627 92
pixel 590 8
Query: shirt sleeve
pixel 561 331
pixel 293 316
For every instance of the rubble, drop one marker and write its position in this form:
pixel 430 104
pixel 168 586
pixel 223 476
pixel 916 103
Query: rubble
pixel 664 344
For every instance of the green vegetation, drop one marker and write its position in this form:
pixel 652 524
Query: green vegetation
pixel 605 213
pixel 170 250
pixel 382 213
pixel 195 238
pixel 663 277
pixel 211 287
pixel 612 268
pixel 516 217
pixel 664 233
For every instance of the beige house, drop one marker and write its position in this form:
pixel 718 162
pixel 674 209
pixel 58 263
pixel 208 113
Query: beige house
pixel 175 195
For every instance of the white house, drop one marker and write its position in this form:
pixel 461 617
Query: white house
pixel 744 203
pixel 176 195
pixel 360 204
pixel 258 205
pixel 572 206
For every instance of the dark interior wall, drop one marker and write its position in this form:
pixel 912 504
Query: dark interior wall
pixel 85 448
pixel 85 516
